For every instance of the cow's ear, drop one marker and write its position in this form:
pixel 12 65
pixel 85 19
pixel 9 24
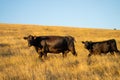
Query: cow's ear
pixel 25 38
pixel 35 37
pixel 83 42
pixel 90 41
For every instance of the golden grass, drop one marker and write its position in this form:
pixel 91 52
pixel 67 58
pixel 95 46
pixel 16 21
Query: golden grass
pixel 19 62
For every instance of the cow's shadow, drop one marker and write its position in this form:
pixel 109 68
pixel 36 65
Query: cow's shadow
pixel 5 50
pixel 3 45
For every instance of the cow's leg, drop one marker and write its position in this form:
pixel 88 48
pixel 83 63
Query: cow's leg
pixel 73 51
pixel 115 49
pixel 118 52
pixel 89 61
pixel 90 54
pixel 39 51
pixel 65 53
pixel 71 48
pixel 112 53
pixel 45 55
pixel 40 55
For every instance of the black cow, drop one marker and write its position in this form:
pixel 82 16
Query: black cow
pixel 52 44
pixel 101 47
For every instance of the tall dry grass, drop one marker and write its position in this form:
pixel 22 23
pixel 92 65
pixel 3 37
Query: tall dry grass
pixel 19 62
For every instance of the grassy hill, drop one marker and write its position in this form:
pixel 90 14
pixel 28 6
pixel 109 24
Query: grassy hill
pixel 19 62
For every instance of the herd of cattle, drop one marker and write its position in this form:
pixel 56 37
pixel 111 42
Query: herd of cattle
pixel 64 44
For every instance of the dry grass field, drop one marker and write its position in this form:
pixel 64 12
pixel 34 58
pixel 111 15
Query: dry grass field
pixel 20 62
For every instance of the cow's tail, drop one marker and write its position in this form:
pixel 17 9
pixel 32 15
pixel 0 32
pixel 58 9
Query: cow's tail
pixel 73 39
pixel 115 45
pixel 70 42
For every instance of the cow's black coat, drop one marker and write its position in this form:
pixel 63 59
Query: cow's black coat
pixel 52 44
pixel 101 47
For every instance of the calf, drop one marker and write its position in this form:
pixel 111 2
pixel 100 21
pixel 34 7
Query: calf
pixel 101 47
pixel 52 44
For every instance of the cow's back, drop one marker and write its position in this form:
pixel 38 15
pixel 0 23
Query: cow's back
pixel 54 44
pixel 104 46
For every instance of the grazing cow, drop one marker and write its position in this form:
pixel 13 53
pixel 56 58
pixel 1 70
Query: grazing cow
pixel 52 44
pixel 101 47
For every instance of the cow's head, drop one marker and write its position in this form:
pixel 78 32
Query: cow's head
pixel 31 40
pixel 87 44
